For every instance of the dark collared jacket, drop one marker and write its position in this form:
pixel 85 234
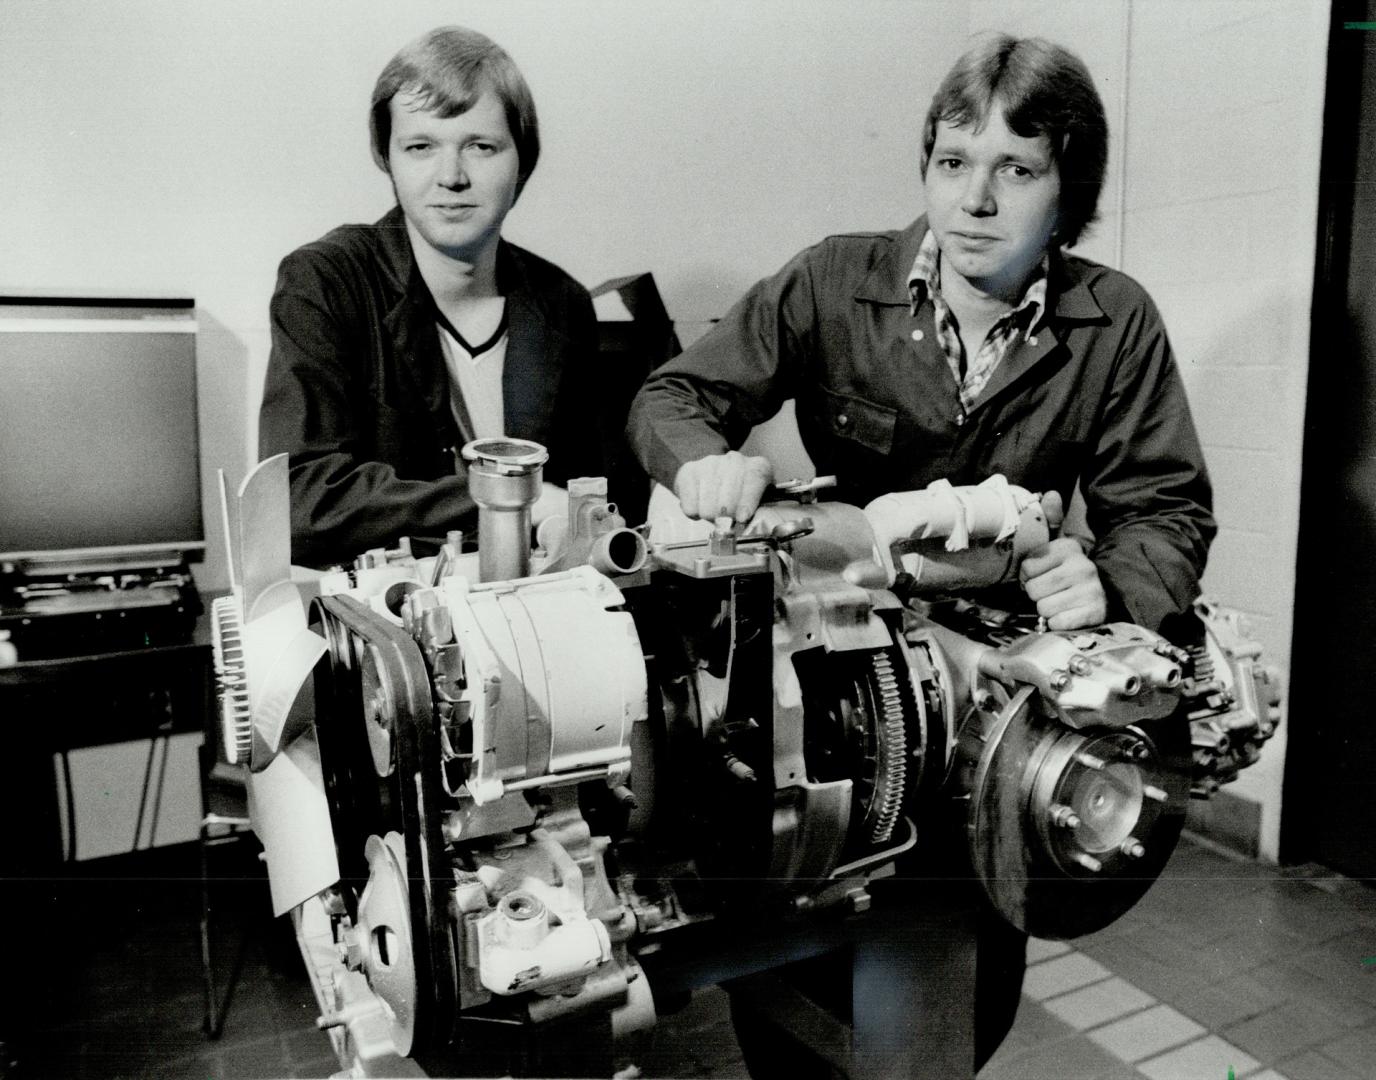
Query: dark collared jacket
pixel 358 394
pixel 1094 396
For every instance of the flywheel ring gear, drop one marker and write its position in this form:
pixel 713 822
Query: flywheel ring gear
pixel 865 725
pixel 231 679
pixel 890 781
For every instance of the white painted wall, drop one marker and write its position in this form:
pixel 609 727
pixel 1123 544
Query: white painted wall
pixel 1219 143
pixel 167 147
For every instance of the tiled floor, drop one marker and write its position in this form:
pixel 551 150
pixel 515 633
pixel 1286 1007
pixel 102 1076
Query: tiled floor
pixel 1226 968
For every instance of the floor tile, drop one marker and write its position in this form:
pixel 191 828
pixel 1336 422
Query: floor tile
pixel 1288 979
pixel 1143 1034
pixel 1164 981
pixel 1157 959
pixel 1268 963
pixel 1099 1003
pixel 1198 862
pixel 1312 1065
pixel 1039 949
pixel 1059 975
pixel 1356 1050
pixel 1034 1027
pixel 1359 897
pixel 1339 963
pixel 1138 917
pixel 1219 1004
pixel 1119 1071
pixel 1117 953
pixel 1203 1059
pixel 1066 1059
pixel 1227 957
pixel 1295 1026
pixel 1312 913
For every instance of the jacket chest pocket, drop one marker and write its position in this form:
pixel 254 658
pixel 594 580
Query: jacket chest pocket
pixel 858 424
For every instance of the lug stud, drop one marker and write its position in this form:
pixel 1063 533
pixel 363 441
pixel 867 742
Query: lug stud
pixel 1133 848
pixel 1089 862
pixel 1063 817
pixel 1089 761
pixel 1154 793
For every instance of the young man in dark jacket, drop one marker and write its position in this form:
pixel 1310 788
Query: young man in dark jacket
pixel 394 344
pixel 967 344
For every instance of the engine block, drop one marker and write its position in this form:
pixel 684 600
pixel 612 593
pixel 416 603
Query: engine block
pixel 537 767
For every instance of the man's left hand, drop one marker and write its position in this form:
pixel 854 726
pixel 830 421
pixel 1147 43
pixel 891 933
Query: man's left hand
pixel 1065 585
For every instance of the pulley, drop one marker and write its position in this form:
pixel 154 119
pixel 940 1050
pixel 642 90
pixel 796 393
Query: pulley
pixel 380 757
pixel 382 943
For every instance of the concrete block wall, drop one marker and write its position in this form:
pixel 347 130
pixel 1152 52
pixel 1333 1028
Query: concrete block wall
pixel 1219 145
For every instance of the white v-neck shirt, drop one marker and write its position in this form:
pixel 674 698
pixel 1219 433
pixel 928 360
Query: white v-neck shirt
pixel 477 382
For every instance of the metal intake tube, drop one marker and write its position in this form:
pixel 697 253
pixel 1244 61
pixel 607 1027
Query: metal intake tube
pixel 504 477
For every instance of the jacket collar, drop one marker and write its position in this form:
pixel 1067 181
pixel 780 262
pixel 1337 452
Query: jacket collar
pixel 534 343
pixel 536 347
pixel 887 282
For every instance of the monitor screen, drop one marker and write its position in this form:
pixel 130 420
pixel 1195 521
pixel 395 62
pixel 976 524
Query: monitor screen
pixel 99 456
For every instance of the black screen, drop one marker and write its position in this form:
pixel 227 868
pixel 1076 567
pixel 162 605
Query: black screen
pixel 98 432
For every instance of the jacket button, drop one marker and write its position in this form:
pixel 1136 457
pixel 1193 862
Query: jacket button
pixel 843 421
pixel 917 335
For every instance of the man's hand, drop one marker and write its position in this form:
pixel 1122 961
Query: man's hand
pixel 724 485
pixel 1065 584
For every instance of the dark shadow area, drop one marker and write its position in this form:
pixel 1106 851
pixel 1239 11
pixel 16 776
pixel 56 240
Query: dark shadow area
pixel 1329 812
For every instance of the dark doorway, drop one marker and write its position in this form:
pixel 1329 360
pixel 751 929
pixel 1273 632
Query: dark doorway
pixel 1330 775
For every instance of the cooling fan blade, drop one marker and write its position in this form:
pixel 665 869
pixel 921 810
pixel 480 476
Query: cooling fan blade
pixel 264 652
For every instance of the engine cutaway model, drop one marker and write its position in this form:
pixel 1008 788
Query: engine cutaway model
pixel 532 771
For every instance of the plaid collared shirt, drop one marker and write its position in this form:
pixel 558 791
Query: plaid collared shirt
pixel 925 281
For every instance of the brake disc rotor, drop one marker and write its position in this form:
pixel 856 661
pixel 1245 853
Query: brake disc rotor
pixel 1067 828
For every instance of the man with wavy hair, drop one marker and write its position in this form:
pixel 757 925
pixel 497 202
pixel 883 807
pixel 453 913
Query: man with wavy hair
pixel 967 344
